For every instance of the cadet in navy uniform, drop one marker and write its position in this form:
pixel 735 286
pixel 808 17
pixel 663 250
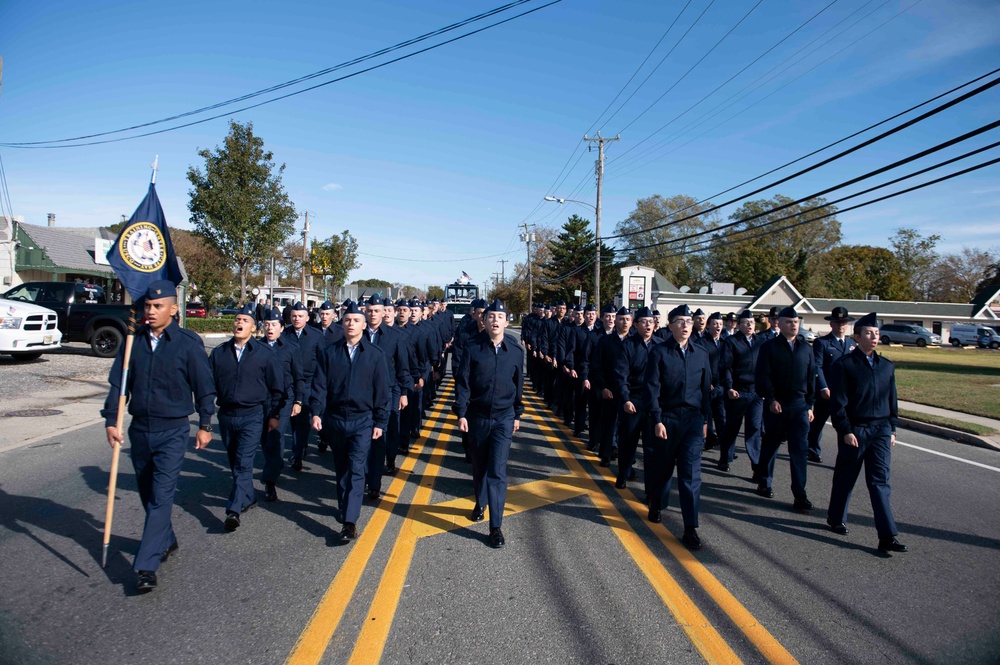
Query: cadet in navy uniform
pixel 609 348
pixel 579 347
pixel 168 365
pixel 309 341
pixel 731 321
pixel 786 382
pixel 737 367
pixel 249 385
pixel 396 355
pixel 865 416
pixel 327 326
pixel 827 350
pixel 350 402
pixel 711 341
pixel 488 404
pixel 678 390
pixel 592 379
pixel 772 325
pixel 273 444
pixel 629 374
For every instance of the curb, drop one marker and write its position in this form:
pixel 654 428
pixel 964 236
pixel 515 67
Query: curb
pixel 948 433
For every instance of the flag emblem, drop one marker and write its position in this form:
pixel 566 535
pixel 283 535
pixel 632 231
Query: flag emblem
pixel 142 247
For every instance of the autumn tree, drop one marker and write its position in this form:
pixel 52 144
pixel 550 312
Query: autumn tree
pixel 764 242
pixel 214 281
pixel 334 258
pixel 238 202
pixel 857 271
pixel 956 277
pixel 916 257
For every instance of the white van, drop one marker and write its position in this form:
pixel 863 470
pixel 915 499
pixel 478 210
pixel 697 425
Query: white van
pixel 963 334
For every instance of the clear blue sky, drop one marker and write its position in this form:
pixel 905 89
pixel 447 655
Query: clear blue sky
pixel 440 157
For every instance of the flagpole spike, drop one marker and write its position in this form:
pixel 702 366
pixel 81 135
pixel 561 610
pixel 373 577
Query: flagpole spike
pixel 155 167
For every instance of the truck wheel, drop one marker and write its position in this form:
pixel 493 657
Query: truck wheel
pixel 26 357
pixel 105 341
pixel 995 345
pixel 956 343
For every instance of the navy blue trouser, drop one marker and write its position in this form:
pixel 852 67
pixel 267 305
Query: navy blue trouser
pixel 156 458
pixel 241 433
pixel 821 413
pixel 875 453
pixel 717 425
pixel 378 454
pixel 792 424
pixel 489 445
pixel 301 431
pixel 273 445
pixel 350 439
pixel 609 426
pixel 745 410
pixel 631 427
pixel 681 450
pixel 582 397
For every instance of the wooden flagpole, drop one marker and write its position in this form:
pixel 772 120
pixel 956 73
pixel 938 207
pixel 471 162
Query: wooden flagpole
pixel 109 512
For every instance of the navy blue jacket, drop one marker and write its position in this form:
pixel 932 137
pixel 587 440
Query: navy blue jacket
pixel 630 371
pixel 714 355
pixel 396 352
pixel 676 380
pixel 286 350
pixel 161 384
pixel 580 342
pixel 826 351
pixel 347 390
pixel 738 363
pixel 310 343
pixel 602 367
pixel 784 375
pixel 488 382
pixel 862 393
pixel 256 380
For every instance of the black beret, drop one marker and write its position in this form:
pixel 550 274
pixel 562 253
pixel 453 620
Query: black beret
pixel 299 307
pixel 590 308
pixel 247 310
pixel 745 314
pixel 402 303
pixel 387 302
pixel 413 303
pixel 788 313
pixel 715 316
pixel 644 313
pixel 351 308
pixel 608 309
pixel 624 311
pixel 578 307
pixel 273 314
pixel 868 320
pixel 375 299
pixel 161 288
pixel 680 310
pixel 699 312
pixel 560 303
pixel 496 306
pixel 656 312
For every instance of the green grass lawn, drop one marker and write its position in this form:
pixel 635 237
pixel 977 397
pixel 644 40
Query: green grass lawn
pixel 971 428
pixel 966 380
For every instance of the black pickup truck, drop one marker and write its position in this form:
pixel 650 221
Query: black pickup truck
pixel 84 312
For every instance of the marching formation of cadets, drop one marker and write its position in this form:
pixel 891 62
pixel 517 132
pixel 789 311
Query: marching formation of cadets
pixel 362 376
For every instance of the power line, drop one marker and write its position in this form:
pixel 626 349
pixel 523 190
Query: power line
pixel 864 144
pixel 471 258
pixel 63 142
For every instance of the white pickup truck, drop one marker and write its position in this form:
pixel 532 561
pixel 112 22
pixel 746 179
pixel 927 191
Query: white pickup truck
pixel 27 330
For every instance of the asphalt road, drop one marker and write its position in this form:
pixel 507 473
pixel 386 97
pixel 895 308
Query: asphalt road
pixel 583 578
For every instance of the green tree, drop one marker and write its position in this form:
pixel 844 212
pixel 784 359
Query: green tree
pixel 655 211
pixel 955 277
pixel 857 271
pixel 916 257
pixel 238 203
pixel 513 291
pixel 435 292
pixel 754 256
pixel 213 281
pixel 334 258
pixel 373 283
pixel 571 265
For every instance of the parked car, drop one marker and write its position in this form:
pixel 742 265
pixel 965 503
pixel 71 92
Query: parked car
pixel 809 336
pixel 967 333
pixel 988 342
pixel 907 333
pixel 195 310
pixel 27 330
pixel 83 311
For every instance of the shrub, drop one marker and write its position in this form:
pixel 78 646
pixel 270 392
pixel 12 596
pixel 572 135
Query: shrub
pixel 222 324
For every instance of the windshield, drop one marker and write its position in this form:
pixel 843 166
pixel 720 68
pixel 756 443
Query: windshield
pixel 922 329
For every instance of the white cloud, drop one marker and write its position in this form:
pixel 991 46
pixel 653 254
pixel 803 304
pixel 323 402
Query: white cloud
pixel 332 187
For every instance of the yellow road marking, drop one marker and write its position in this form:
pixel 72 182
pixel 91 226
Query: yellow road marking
pixel 695 624
pixel 759 636
pixel 316 636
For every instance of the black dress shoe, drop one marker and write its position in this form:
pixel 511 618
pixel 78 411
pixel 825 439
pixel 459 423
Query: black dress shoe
pixel 349 532
pixel 252 504
pixel 723 466
pixel 477 514
pixel 390 470
pixel 839 529
pixel 802 504
pixel 632 475
pixel 614 453
pixel 691 539
pixel 496 538
pixel 605 462
pixel 146 581
pixel 654 516
pixel 765 491
pixel 170 550
pixel 270 493
pixel 296 465
pixel 321 447
pixel 374 495
pixel 813 457
pixel 232 522
pixel 887 545
pixel 620 484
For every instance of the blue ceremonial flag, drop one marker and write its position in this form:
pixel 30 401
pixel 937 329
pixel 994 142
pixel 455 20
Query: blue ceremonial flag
pixel 143 253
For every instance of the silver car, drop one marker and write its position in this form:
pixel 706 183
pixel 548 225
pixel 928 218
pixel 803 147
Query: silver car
pixel 907 333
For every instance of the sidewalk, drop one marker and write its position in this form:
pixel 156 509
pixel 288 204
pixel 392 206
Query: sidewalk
pixel 983 441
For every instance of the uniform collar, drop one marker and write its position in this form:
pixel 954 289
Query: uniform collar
pixel 169 332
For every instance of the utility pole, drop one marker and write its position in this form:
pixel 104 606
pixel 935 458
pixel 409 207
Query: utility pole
pixel 600 140
pixel 305 255
pixel 503 272
pixel 528 237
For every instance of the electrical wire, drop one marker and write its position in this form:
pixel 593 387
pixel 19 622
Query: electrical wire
pixel 472 258
pixel 62 144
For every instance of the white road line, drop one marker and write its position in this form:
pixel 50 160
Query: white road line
pixel 957 459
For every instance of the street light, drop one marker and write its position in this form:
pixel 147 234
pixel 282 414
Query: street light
pixel 597 241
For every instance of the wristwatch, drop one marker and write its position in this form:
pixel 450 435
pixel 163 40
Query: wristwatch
pixel 206 428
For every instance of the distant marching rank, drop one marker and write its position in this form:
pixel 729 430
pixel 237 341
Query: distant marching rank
pixel 363 376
